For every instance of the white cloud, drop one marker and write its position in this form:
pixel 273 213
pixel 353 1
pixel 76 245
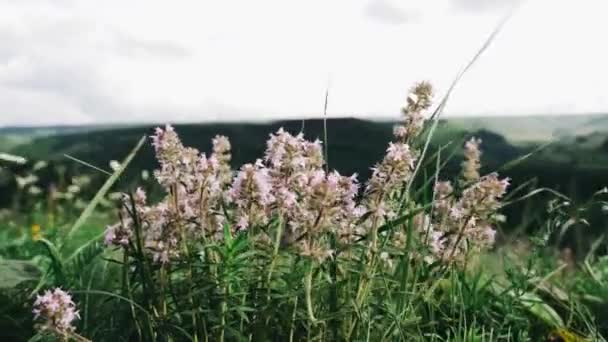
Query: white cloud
pixel 83 61
pixel 482 5
pixel 389 12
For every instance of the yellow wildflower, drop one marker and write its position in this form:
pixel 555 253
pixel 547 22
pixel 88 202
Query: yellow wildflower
pixel 35 230
pixel 564 335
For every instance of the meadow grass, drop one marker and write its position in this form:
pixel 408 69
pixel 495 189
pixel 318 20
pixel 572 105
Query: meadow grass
pixel 284 249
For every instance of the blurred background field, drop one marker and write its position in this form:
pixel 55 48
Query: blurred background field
pixel 568 154
pixel 554 228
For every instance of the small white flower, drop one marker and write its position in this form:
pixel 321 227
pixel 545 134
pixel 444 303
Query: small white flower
pixel 12 158
pixel 34 190
pixel 22 182
pixel 41 164
pixel 386 259
pixel 114 165
pixel 73 189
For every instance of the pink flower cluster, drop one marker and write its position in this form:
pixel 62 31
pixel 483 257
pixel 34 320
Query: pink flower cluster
pixel 192 208
pixel 471 163
pixel 396 169
pixel 466 221
pixel 251 193
pixel 309 201
pixel 290 185
pixel 387 177
pixel 57 311
pixel 418 102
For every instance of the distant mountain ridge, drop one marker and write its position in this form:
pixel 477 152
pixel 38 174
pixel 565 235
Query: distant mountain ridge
pixel 516 129
pixel 537 128
pixel 574 163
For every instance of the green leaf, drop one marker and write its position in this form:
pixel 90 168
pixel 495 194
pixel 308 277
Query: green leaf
pixel 104 189
pixel 15 272
pixel 227 234
pixel 56 260
pixel 85 255
pixel 541 309
pixel 534 304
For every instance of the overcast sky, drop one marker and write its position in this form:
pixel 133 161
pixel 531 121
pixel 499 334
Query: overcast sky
pixel 77 61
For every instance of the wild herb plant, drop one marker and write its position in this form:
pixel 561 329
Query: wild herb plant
pixel 284 249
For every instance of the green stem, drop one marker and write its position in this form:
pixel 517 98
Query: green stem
pixel 406 260
pixel 189 275
pixel 293 319
pixel 363 283
pixel 127 293
pixel 275 253
pixel 308 290
pixel 333 295
pixel 224 308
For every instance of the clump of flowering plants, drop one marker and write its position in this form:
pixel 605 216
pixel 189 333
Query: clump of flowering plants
pixel 56 313
pixel 284 248
pixel 226 253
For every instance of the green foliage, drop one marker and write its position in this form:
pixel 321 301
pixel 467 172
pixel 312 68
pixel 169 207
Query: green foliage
pixel 15 272
pixel 245 288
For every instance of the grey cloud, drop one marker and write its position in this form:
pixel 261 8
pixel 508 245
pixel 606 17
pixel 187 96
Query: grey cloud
pixel 129 46
pixel 41 66
pixel 58 60
pixel 482 5
pixel 7 50
pixel 76 84
pixel 384 11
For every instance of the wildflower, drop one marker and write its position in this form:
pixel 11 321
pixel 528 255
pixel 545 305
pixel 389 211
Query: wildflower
pixel 387 176
pixel 191 209
pixel 73 189
pixel 22 182
pixel 39 165
pixel 35 232
pixel 34 190
pixel 118 234
pixel 400 132
pixel 315 250
pixel 221 146
pixel 467 220
pixel 443 201
pixel 483 197
pixel 310 201
pixel 175 159
pixel 435 241
pixel 251 192
pixel 57 311
pixel 386 260
pixel 166 143
pixel 288 156
pixel 285 198
pixel 426 235
pixel 419 100
pixel 81 181
pixel 471 163
pixel 421 96
pixel 114 165
pixel 12 158
pixel 327 205
pixel 395 168
pixel 221 152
